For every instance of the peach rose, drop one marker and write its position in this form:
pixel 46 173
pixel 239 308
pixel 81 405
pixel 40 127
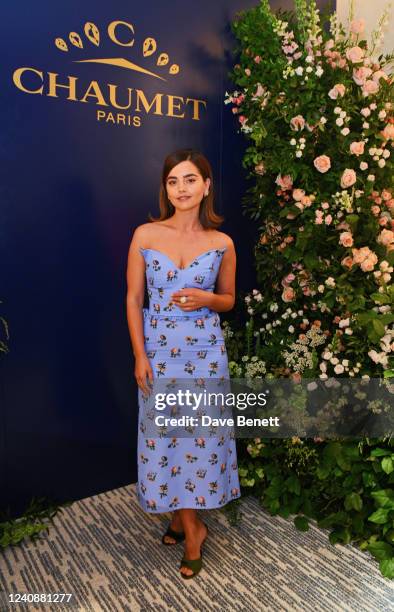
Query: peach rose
pixel 379 74
pixel 297 123
pixel 386 237
pixel 375 210
pixel 346 239
pixel 298 194
pixel 357 147
pixel 337 90
pixel 347 262
pixel 388 132
pixel 284 182
pixel 348 178
pixel 369 88
pixel 357 26
pixel 306 201
pixel 360 75
pixel 368 264
pixel 359 255
pixel 288 294
pixel 322 163
pixel 386 195
pixel 355 55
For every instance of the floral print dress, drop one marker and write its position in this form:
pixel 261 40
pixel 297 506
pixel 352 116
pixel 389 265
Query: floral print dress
pixel 183 472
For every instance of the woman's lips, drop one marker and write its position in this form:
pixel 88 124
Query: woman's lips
pixel 183 198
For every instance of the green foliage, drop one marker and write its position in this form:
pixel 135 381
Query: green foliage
pixel 33 521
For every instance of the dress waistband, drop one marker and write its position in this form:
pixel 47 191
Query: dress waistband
pixel 201 313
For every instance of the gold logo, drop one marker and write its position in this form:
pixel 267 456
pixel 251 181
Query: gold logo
pixel 134 104
pixel 92 34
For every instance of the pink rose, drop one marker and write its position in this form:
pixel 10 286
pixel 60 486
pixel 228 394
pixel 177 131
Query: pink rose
pixel 322 163
pixel 346 239
pixel 357 147
pixel 348 178
pixel 360 75
pixel 357 26
pixel 369 88
pixel 386 237
pixel 288 294
pixel 355 54
pixel 257 59
pixel 298 194
pixel 297 123
pixel 284 182
pixel 247 71
pixel 386 195
pixel 242 119
pixel 388 132
pixel 375 210
pixel 337 90
pixel 328 220
pixel 365 112
pixel 325 205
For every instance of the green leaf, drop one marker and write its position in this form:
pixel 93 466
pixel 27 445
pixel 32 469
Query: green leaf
pixel 381 550
pixel 380 452
pixel 353 501
pixel 387 465
pixel 379 516
pixel 301 522
pixel 378 327
pixel 387 568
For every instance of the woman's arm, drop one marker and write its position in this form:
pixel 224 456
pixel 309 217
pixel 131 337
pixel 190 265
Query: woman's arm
pixel 134 304
pixel 223 298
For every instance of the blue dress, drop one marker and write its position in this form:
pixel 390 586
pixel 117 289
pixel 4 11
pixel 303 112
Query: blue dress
pixel 184 472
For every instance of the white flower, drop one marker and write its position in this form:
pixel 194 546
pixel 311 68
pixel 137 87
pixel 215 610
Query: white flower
pixel 339 369
pixel 291 329
pixel 298 154
pixel 371 177
pixel 372 151
pixel 345 131
pixel 330 282
pixel 334 360
pixel 345 362
pixel 366 125
pixel 299 70
pixel 363 166
pixel 342 114
pixel 323 120
pixel 323 366
pixel 373 106
pixel 250 311
pixel 247 299
pixel 386 153
pixel 319 71
pixel 327 355
pixel 309 59
pixel 348 331
pixel 293 142
pixel 320 288
pixel 381 163
pixel 337 110
pixel 382 114
pixel 344 323
pixel 339 121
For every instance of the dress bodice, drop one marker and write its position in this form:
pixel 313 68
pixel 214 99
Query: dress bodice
pixel 163 277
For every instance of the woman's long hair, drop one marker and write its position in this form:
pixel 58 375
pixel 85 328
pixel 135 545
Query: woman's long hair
pixel 208 218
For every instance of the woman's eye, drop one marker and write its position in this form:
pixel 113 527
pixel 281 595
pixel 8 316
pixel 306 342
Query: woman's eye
pixel 192 180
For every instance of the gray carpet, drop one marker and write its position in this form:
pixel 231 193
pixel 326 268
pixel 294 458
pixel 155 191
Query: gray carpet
pixel 106 551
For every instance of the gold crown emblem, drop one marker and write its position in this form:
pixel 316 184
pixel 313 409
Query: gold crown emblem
pixel 92 34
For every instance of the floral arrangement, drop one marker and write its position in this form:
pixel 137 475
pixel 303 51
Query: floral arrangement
pixel 315 102
pixel 317 107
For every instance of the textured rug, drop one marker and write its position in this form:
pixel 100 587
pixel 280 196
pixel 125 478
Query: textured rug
pixel 106 552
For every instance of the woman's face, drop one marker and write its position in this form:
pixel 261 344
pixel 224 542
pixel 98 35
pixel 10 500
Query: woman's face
pixel 185 186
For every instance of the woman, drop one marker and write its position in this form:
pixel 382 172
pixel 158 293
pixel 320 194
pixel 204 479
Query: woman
pixel 190 272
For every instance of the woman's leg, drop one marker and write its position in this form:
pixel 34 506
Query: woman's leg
pixel 195 532
pixel 176 525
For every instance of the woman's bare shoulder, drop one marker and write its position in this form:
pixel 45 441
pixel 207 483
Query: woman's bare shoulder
pixel 146 233
pixel 224 239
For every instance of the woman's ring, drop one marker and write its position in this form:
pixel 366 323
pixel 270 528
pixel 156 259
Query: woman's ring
pixel 183 299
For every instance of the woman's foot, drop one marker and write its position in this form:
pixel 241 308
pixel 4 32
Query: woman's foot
pixel 175 525
pixel 193 543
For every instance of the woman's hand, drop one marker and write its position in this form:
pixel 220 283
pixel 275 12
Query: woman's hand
pixel 142 371
pixel 196 298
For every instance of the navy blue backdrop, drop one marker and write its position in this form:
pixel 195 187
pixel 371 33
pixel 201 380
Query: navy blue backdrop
pixel 76 177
